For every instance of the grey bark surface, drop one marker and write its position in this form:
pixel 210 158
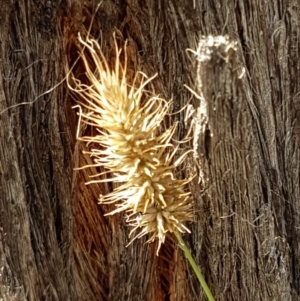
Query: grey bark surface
pixel 56 243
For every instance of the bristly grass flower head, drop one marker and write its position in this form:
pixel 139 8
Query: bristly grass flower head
pixel 130 146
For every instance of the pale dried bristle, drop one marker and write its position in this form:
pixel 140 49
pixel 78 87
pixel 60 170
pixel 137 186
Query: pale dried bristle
pixel 130 148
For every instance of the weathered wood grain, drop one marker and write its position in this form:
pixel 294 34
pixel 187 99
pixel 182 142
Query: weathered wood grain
pixel 56 243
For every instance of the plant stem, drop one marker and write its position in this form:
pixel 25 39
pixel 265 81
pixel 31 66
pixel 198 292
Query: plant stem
pixel 192 262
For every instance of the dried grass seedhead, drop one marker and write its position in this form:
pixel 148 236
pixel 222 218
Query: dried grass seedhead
pixel 130 147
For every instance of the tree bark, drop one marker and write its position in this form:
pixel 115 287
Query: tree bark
pixel 56 243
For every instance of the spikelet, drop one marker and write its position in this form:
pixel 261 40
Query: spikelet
pixel 130 147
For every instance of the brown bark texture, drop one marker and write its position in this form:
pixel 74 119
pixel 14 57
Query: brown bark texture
pixel 56 242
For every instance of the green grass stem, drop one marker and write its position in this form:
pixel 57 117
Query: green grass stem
pixel 192 262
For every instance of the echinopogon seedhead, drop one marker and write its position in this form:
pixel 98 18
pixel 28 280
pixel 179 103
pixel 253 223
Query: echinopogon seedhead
pixel 131 147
